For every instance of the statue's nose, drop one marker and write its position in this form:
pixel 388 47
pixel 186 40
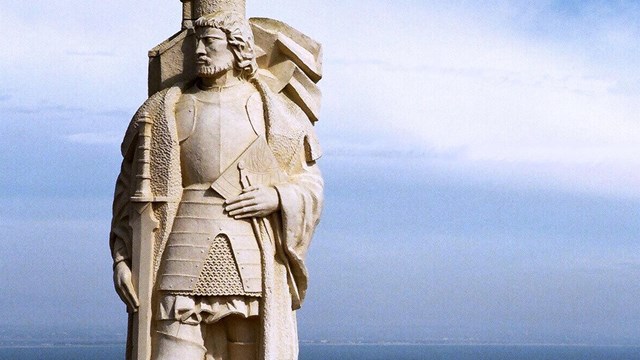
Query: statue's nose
pixel 200 48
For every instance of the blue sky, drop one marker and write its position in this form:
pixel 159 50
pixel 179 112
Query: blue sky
pixel 481 164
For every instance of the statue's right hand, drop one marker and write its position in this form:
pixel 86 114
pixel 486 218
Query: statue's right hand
pixel 124 286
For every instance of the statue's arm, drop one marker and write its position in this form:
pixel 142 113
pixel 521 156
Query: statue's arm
pixel 301 202
pixel 120 236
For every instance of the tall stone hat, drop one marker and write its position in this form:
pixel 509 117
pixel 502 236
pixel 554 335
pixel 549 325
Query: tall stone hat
pixel 193 9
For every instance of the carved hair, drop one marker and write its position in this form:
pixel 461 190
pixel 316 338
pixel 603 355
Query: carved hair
pixel 239 37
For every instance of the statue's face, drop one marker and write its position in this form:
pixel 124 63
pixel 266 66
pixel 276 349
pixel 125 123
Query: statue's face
pixel 214 55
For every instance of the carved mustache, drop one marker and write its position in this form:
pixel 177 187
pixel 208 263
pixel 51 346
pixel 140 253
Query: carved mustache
pixel 204 60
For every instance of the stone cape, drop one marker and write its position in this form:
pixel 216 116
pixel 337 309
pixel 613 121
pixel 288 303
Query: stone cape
pixel 292 140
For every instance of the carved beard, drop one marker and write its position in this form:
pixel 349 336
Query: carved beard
pixel 213 70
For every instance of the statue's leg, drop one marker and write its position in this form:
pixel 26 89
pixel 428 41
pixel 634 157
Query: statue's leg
pixel 176 340
pixel 242 335
pixel 215 340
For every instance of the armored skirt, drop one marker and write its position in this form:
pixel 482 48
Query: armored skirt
pixel 211 264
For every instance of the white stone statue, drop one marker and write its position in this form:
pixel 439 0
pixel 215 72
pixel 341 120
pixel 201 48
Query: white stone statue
pixel 219 191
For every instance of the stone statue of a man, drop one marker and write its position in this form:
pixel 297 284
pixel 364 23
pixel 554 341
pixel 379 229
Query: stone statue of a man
pixel 226 170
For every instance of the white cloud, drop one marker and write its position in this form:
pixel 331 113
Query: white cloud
pixel 540 106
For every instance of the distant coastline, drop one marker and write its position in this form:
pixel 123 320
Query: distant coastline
pixel 62 344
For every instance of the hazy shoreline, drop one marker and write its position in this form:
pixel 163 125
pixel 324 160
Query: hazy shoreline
pixel 319 343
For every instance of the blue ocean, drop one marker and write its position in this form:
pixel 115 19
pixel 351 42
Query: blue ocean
pixel 365 352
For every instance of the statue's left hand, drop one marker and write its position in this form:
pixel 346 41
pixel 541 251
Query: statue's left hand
pixel 254 202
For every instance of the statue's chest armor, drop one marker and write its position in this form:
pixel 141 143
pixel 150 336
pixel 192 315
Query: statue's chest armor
pixel 214 129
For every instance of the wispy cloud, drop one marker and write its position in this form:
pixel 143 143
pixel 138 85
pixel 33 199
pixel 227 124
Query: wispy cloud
pixel 116 113
pixel 60 109
pixel 110 138
pixel 390 150
pixel 43 108
pixel 89 53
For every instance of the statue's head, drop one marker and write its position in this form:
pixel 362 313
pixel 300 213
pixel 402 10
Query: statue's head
pixel 225 42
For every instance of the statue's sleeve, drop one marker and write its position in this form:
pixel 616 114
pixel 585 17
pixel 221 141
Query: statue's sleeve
pixel 121 232
pixel 120 236
pixel 301 200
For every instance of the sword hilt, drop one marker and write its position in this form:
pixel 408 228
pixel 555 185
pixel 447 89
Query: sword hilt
pixel 244 177
pixel 143 177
